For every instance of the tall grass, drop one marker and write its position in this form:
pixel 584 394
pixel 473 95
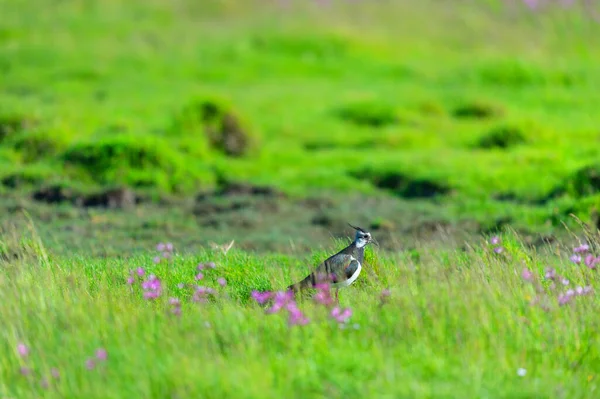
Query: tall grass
pixel 480 322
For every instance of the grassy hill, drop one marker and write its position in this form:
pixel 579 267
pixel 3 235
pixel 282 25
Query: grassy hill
pixel 488 108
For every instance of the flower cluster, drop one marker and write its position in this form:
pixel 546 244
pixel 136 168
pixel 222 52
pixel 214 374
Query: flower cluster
pixel 556 280
pixel 582 253
pixel 285 300
pixel 282 300
pixel 45 381
pixel 152 287
pixel 166 251
pixel 139 272
pixel 495 241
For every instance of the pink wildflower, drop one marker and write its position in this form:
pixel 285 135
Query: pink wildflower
pixel 340 315
pixel 261 297
pixel 23 350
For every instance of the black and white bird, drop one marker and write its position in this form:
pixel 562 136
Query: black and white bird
pixel 341 269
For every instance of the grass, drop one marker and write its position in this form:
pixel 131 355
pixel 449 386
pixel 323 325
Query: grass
pixel 456 324
pixel 433 124
pixel 318 99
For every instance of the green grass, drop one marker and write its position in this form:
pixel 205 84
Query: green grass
pixel 395 116
pixel 457 324
pixel 384 86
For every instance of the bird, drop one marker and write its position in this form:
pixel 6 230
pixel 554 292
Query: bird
pixel 342 269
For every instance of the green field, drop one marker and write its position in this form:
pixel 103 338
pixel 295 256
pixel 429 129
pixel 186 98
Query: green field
pixel 433 124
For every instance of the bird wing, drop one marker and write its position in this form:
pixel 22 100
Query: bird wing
pixel 341 267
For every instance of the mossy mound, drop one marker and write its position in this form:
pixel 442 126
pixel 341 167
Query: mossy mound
pixel 368 113
pixel 137 161
pixel 502 137
pixel 213 123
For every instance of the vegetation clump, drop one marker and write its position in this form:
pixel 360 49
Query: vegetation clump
pixel 476 110
pixel 368 113
pixel 216 121
pixel 502 137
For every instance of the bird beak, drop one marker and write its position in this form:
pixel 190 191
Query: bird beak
pixel 374 241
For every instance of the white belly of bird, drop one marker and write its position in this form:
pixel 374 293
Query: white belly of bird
pixel 350 280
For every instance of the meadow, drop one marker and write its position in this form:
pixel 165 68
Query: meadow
pixel 136 135
pixel 496 320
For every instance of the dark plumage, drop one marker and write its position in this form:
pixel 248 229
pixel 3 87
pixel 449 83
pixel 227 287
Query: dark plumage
pixel 341 269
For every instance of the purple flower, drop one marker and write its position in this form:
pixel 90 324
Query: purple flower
pixel 211 265
pixel 176 306
pixel 160 247
pixel 586 290
pixel 222 282
pixel 498 250
pixel 25 371
pixel 579 290
pixel 169 247
pixel 44 383
pixel 90 364
pixel 199 276
pixel 152 287
pixel 23 350
pixel 527 275
pixel 323 295
pixel 140 271
pixel 295 315
pixel 581 249
pixel 261 297
pixel 200 266
pixel 281 299
pixel 101 354
pixel 180 285
pixel 563 299
pixel 201 294
pixel 575 259
pixel 130 280
pixel 495 240
pixel 386 293
pixel 564 281
pixel 340 315
pixel 55 373
pixel 591 261
pixel 550 274
pixel 156 259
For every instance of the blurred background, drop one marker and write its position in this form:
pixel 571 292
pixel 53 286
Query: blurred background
pixel 275 123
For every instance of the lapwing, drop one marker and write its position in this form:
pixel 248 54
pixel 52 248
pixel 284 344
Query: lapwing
pixel 339 270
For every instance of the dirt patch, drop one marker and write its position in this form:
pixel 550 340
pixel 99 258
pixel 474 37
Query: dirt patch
pixel 404 186
pixel 54 194
pixel 114 198
pixel 502 137
pixel 237 196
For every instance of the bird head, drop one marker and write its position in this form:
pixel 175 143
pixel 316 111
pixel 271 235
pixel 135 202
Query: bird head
pixel 362 237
